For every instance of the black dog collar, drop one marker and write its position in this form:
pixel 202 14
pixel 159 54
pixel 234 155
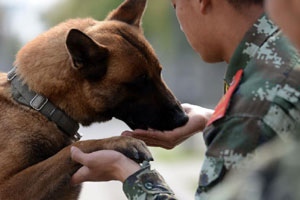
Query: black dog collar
pixel 23 95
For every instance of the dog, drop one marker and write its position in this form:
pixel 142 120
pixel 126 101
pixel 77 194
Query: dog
pixel 83 71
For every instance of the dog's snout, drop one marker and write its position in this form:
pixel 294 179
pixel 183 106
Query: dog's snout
pixel 181 120
pixel 175 116
pixel 180 117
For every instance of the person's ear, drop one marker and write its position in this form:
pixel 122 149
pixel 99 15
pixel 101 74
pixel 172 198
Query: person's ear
pixel 204 6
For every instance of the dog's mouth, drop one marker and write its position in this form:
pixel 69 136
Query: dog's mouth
pixel 160 124
pixel 134 125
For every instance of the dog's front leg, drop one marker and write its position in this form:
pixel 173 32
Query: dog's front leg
pixel 50 179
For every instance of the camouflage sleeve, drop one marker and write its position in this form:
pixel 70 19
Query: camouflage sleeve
pixel 147 184
pixel 229 142
pixel 273 174
pixel 233 141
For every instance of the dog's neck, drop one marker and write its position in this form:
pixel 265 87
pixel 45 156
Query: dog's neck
pixel 23 95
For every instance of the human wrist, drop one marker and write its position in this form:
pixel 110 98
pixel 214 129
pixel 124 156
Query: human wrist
pixel 125 167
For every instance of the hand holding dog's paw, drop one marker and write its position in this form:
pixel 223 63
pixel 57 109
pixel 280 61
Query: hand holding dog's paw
pixel 132 148
pixel 104 165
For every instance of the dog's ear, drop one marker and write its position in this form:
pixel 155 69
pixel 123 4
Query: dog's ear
pixel 87 55
pixel 130 11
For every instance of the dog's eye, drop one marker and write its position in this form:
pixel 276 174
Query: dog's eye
pixel 139 83
pixel 141 80
pixel 143 77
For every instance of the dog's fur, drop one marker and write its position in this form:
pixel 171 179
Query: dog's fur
pixel 93 70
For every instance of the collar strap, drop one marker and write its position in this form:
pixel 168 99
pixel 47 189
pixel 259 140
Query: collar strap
pixel 23 95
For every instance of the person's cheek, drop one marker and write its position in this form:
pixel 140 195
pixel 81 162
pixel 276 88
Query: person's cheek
pixel 294 34
pixel 286 14
pixel 273 10
pixel 296 5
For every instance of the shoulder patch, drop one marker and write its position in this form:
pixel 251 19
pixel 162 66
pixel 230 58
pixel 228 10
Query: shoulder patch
pixel 222 106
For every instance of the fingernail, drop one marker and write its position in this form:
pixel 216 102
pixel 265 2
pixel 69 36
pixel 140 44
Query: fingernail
pixel 126 133
pixel 136 155
pixel 150 158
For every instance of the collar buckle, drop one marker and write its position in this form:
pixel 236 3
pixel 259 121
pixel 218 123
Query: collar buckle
pixel 38 102
pixel 11 74
pixel 77 136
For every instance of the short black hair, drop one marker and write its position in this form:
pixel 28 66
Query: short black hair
pixel 242 3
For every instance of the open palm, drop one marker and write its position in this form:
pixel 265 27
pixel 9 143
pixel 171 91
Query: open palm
pixel 198 118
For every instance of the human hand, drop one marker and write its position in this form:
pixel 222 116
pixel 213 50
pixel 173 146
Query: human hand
pixel 104 165
pixel 198 118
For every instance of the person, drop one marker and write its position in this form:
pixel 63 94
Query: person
pixel 274 174
pixel 261 93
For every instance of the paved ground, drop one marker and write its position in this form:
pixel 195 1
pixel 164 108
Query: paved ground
pixel 179 168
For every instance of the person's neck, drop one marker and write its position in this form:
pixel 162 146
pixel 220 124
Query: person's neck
pixel 238 23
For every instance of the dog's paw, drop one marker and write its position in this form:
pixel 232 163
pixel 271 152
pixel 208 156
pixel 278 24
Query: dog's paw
pixel 132 148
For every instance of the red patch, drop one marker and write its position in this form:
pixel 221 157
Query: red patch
pixel 222 106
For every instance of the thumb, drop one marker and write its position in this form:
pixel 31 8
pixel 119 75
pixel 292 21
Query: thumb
pixel 80 176
pixel 78 156
pixel 186 107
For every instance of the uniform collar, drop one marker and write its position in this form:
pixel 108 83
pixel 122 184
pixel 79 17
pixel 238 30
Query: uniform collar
pixel 256 36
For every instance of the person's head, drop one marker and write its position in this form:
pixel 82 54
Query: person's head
pixel 286 13
pixel 208 23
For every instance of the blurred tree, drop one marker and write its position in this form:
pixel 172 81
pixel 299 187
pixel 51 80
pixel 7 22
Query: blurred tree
pixel 9 44
pixel 158 20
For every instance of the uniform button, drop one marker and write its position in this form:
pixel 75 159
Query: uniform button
pixel 148 185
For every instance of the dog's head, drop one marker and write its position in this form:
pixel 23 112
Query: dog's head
pixel 96 70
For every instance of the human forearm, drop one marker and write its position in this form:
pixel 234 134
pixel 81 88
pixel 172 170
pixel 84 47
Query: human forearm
pixel 125 168
pixel 147 184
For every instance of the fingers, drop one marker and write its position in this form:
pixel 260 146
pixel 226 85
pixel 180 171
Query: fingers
pixel 145 139
pixel 186 107
pixel 151 135
pixel 154 142
pixel 166 140
pixel 144 133
pixel 78 156
pixel 80 176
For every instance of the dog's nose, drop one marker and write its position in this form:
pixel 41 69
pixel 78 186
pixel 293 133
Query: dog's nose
pixel 178 116
pixel 181 119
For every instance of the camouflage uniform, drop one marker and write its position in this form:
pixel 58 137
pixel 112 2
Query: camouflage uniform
pixel 273 176
pixel 262 88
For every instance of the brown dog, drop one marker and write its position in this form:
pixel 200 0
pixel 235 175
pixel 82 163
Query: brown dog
pixel 92 71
